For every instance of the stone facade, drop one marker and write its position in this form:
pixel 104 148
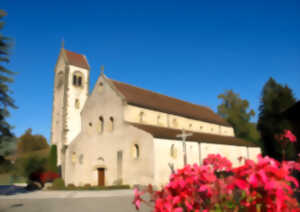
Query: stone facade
pixel 107 138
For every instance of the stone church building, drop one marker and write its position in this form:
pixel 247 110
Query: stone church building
pixel 120 133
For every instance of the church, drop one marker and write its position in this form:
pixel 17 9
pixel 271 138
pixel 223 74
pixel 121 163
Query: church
pixel 122 134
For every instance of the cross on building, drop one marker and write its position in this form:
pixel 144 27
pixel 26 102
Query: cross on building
pixel 184 135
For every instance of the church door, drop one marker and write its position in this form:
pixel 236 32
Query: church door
pixel 101 177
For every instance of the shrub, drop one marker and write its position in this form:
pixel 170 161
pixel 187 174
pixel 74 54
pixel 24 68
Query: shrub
pixel 71 186
pixel 48 176
pixel 58 184
pixel 87 186
pixel 27 166
pixel 113 187
pixel 5 165
pixel 52 159
pixel 261 186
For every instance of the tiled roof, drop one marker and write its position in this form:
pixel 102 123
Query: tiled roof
pixel 75 59
pixel 155 101
pixel 168 133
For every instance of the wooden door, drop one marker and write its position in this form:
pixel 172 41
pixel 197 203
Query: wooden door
pixel 101 177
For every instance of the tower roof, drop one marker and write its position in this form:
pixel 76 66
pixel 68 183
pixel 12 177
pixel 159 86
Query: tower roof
pixel 75 59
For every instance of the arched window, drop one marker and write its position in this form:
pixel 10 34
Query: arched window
pixel 142 116
pixel 175 123
pixel 74 158
pixel 135 151
pixel 158 120
pixel 81 159
pixel 173 151
pixel 111 124
pixel 101 124
pixel 77 79
pixel 100 87
pixel 77 104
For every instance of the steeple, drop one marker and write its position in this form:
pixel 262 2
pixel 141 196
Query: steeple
pixel 102 69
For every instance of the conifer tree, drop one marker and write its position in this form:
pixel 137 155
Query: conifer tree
pixel 6 77
pixel 52 159
pixel 274 100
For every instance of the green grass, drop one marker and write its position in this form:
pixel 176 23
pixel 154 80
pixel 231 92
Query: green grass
pixel 5 179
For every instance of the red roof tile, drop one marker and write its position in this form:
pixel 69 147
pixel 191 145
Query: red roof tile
pixel 155 101
pixel 168 133
pixel 75 59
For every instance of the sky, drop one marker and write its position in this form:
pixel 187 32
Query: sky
pixel 191 50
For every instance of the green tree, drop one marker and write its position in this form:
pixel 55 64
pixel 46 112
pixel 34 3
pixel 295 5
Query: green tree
pixel 29 142
pixel 235 111
pixel 6 101
pixel 28 165
pixel 274 100
pixel 52 159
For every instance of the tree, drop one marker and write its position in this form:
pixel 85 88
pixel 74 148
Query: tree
pixel 6 101
pixel 52 159
pixel 275 99
pixel 235 111
pixel 28 165
pixel 28 142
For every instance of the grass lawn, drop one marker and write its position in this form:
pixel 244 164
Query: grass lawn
pixel 6 180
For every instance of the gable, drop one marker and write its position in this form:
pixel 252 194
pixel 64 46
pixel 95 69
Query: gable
pixel 104 100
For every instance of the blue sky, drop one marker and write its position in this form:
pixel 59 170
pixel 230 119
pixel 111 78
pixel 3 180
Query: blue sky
pixel 192 50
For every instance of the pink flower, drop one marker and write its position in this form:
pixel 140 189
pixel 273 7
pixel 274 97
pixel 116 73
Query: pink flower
pixel 137 198
pixel 265 184
pixel 286 136
pixel 289 135
pixel 218 162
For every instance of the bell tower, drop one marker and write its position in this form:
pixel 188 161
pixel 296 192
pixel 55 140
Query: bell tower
pixel 71 86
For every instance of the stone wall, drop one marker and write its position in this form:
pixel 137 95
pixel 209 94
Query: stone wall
pixel 134 114
pixel 196 152
pixel 76 98
pixel 100 147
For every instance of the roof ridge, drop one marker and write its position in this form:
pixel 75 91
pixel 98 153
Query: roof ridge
pixel 200 137
pixel 186 130
pixel 205 107
pixel 71 51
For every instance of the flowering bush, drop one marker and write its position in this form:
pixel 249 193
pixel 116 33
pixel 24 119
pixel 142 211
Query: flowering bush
pixel 48 176
pixel 261 186
pixel 287 136
pixel 218 162
pixel 284 139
